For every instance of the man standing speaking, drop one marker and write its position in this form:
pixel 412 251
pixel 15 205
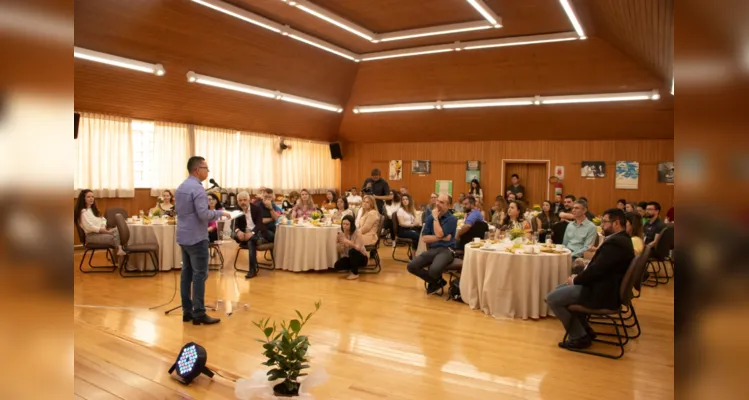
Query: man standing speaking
pixel 193 217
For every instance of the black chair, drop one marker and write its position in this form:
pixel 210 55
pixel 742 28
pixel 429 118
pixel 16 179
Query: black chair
pixel 150 249
pixel 477 230
pixel 399 241
pixel 262 245
pixel 557 232
pixel 661 253
pixel 374 254
pixel 615 316
pixel 92 247
pixel 214 250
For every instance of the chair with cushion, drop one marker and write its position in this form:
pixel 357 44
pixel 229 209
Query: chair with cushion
pixel 616 316
pixel 92 247
pixel 399 241
pixel 557 232
pixel 660 255
pixel 149 249
pixel 374 255
pixel 261 245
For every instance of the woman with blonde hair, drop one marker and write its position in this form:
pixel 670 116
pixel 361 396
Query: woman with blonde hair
pixel 369 220
pixel 305 206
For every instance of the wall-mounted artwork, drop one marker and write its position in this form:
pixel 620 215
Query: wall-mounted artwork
pixel 396 170
pixel 473 170
pixel 627 175
pixel 421 167
pixel 593 169
pixel 666 172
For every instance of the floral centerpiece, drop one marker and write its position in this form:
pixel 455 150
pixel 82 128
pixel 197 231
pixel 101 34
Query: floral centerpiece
pixel 536 208
pixel 596 221
pixel 459 215
pixel 516 233
pixel 315 215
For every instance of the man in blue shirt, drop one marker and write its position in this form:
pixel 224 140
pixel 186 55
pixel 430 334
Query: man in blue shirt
pixel 439 235
pixel 473 216
pixel 270 213
pixel 192 236
pixel 580 233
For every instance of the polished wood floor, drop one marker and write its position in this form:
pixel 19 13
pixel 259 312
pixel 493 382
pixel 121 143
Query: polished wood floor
pixel 379 337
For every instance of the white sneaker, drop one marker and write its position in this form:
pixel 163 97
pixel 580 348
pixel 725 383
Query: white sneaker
pixel 351 277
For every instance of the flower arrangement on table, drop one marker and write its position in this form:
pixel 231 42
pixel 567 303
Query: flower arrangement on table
pixel 315 215
pixel 156 212
pixel 596 221
pixel 459 215
pixel 536 208
pixel 516 233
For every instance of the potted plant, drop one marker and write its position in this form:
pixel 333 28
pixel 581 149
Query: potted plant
pixel 286 351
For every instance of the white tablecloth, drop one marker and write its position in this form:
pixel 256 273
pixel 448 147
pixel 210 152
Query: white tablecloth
pixel 299 248
pixel 509 285
pixel 170 254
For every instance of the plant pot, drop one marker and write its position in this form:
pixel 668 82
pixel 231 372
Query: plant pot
pixel 281 391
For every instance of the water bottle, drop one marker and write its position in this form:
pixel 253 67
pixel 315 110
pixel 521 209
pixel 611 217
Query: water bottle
pixel 535 237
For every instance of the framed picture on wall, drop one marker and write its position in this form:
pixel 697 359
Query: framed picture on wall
pixel 627 175
pixel 593 169
pixel 421 167
pixel 396 170
pixel 666 172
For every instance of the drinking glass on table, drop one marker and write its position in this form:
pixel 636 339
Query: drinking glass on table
pixel 487 235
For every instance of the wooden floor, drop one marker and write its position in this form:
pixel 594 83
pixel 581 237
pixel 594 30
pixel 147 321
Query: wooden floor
pixel 379 337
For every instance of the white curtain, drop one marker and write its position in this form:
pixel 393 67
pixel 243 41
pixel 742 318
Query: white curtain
pixel 171 150
pixel 104 156
pixel 307 165
pixel 220 148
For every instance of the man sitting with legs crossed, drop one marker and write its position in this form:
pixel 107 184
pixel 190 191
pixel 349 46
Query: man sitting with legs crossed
pixel 249 228
pixel 439 235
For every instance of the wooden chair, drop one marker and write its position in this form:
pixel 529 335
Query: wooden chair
pixel 399 241
pixel 375 255
pixel 615 316
pixel 92 247
pixel 150 249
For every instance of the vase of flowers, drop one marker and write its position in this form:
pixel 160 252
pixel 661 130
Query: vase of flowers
pixel 286 351
pixel 516 233
pixel 315 215
pixel 596 221
pixel 459 215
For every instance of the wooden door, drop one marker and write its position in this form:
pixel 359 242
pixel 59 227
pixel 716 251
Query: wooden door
pixel 533 176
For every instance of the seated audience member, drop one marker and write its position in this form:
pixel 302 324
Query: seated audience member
pixel 473 215
pixel 558 205
pixel 391 206
pixel 404 190
pixel 621 204
pixel 588 214
pixel 289 203
pixel 597 286
pixel 88 218
pixel 166 206
pixel 634 230
pixel 499 211
pixel 351 251
pixel 580 233
pixel 342 210
pixel 428 208
pixel 655 225
pixel 515 218
pixel 213 204
pixel 458 206
pixel 258 198
pixel 631 208
pixel 439 236
pixel 520 196
pixel 331 201
pixel 354 199
pixel 270 213
pixel 544 221
pixel 480 207
pixel 476 190
pixel 304 207
pixel 670 215
pixel 369 221
pixel 249 228
pixel 511 197
pixel 565 214
pixel 408 226
pixel 641 206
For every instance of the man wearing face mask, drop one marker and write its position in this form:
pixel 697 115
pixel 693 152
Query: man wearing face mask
pixel 598 285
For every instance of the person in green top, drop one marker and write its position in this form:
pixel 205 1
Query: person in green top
pixel 641 206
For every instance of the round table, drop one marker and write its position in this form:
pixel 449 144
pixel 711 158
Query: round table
pixel 508 285
pixel 170 254
pixel 303 248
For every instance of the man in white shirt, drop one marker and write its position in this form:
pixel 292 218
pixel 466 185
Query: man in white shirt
pixel 353 198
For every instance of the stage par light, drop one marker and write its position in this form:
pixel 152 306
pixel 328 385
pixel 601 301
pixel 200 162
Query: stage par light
pixel 190 363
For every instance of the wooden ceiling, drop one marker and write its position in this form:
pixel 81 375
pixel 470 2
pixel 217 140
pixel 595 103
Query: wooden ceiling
pixel 185 36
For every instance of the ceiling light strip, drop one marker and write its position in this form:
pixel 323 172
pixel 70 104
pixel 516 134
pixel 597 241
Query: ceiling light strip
pixel 573 18
pixel 519 101
pixel 321 44
pixel 244 15
pixel 406 53
pixel 438 30
pixel 117 61
pixel 520 40
pixel 258 91
pixel 328 16
pixel 486 12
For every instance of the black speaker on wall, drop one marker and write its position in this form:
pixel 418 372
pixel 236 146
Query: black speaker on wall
pixel 76 119
pixel 335 151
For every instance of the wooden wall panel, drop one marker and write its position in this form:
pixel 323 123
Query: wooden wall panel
pixel 448 162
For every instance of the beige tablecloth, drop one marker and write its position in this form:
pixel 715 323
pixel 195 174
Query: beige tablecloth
pixel 508 285
pixel 299 248
pixel 170 254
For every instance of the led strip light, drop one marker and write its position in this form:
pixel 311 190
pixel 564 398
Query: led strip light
pixel 193 77
pixel 117 61
pixel 509 102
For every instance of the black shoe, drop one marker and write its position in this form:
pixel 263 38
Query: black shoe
pixel 251 274
pixel 186 317
pixel 433 288
pixel 591 333
pixel 206 320
pixel 577 344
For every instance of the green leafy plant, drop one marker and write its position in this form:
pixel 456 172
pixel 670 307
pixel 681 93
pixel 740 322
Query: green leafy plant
pixel 516 233
pixel 316 215
pixel 156 212
pixel 286 350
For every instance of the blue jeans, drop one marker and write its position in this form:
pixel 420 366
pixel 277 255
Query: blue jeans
pixel 558 300
pixel 194 275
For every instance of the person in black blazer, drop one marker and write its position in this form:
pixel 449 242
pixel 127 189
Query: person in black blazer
pixel 597 286
pixel 253 219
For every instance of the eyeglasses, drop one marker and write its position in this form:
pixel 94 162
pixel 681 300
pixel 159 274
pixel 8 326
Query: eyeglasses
pixel 206 168
pixel 605 221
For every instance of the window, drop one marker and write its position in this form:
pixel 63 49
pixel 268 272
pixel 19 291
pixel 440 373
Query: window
pixel 142 153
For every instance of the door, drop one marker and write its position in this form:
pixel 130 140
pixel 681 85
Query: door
pixel 532 177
